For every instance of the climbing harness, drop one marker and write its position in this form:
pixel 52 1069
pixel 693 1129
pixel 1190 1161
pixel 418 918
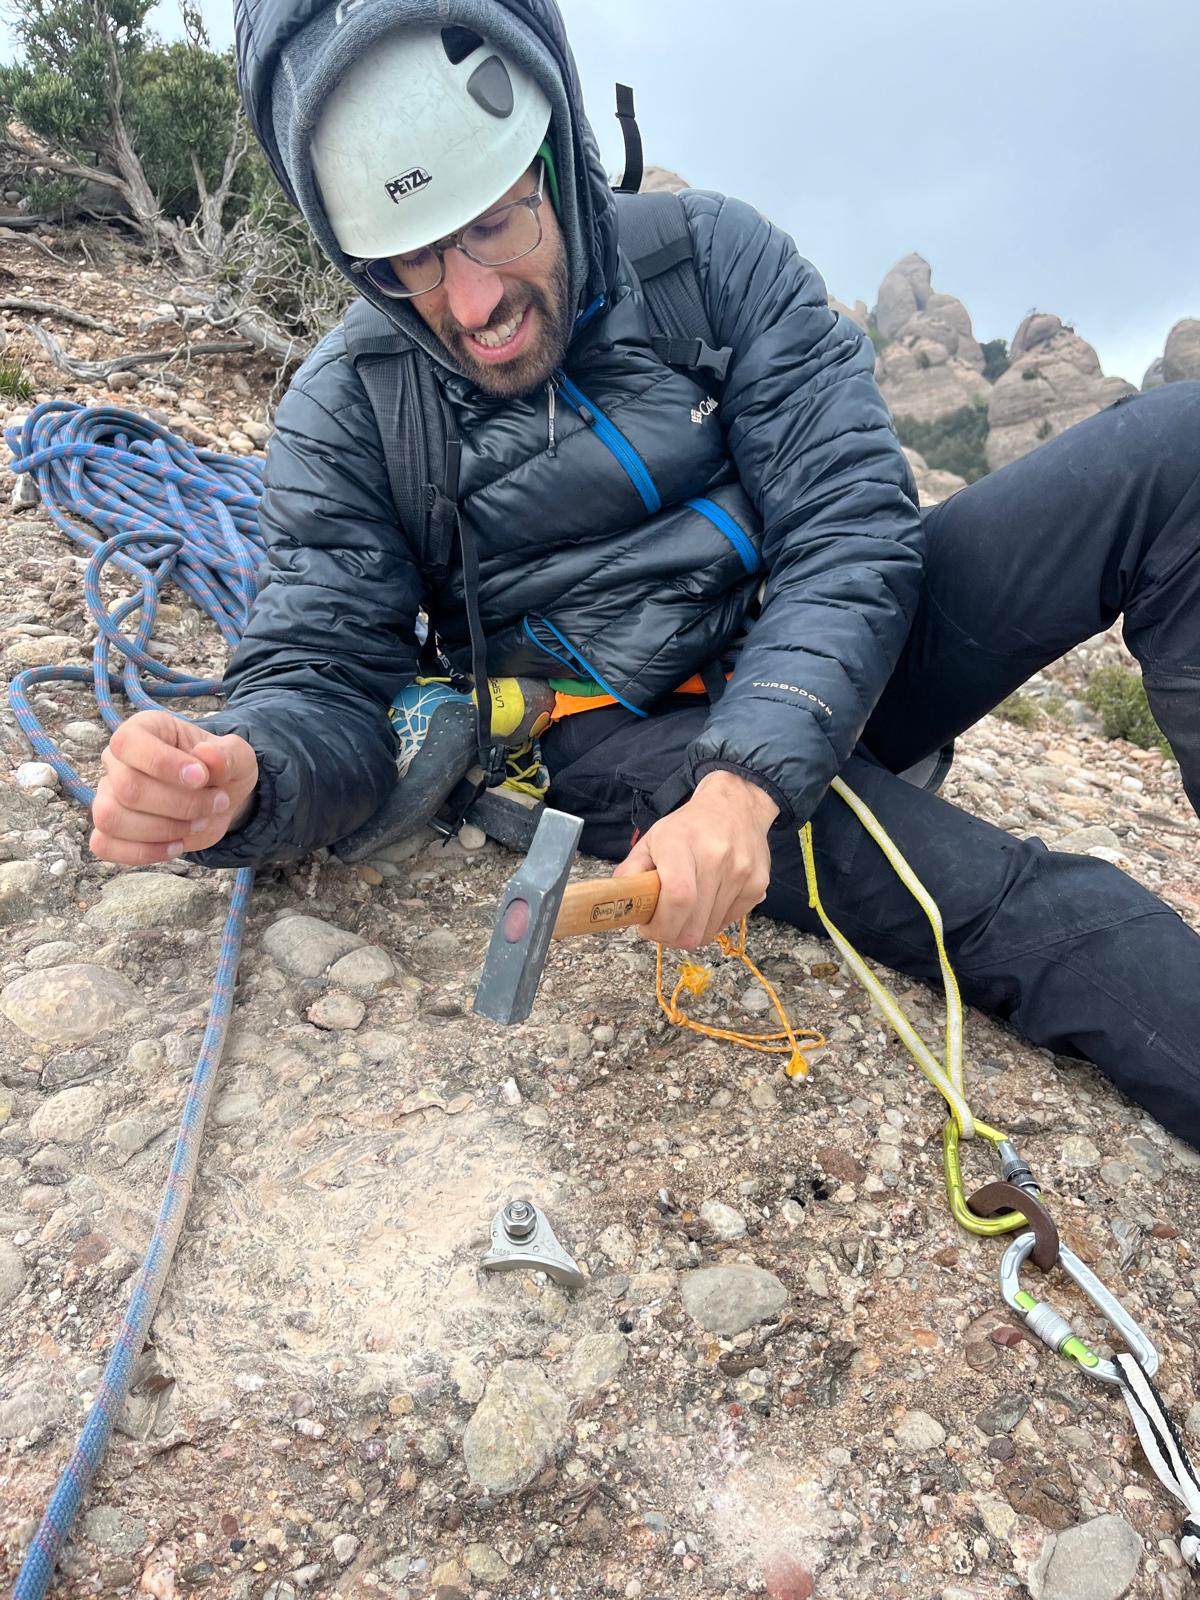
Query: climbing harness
pixel 170 511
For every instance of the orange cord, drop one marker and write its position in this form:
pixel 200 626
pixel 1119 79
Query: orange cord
pixel 694 979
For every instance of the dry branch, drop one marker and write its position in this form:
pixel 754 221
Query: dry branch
pixel 99 371
pixel 47 308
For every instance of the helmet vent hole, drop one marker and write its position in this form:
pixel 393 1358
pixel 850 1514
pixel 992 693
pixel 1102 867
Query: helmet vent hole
pixel 491 87
pixel 459 43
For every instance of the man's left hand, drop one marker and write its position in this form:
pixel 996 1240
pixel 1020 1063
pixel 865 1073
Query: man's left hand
pixel 712 857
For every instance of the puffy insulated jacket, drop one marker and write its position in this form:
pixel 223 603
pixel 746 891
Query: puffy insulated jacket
pixel 629 546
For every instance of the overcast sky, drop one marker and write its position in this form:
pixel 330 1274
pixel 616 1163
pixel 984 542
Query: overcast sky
pixel 1038 153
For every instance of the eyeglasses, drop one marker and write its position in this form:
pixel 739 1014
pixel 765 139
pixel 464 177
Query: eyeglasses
pixel 503 235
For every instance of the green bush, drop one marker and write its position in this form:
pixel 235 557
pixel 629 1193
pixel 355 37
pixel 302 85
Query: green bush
pixel 995 359
pixel 953 443
pixel 14 385
pixel 1119 695
pixel 1018 708
pixel 53 198
pixel 1030 374
pixel 179 99
pixel 184 102
pixel 1044 429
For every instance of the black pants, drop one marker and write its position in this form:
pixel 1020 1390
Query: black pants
pixel 1021 566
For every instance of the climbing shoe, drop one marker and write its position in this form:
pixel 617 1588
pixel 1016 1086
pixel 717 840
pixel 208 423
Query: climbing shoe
pixel 436 749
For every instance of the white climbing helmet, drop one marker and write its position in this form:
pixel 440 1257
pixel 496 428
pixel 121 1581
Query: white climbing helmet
pixel 420 136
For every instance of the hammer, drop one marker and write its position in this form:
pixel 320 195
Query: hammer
pixel 538 905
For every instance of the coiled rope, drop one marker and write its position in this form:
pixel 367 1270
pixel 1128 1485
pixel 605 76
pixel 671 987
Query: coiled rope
pixel 191 516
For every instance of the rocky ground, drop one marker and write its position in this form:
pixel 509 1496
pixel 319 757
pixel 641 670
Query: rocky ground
pixel 788 1371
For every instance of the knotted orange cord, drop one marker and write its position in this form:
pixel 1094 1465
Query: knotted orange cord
pixel 694 979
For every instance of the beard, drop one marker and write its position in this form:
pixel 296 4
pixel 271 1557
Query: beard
pixel 545 350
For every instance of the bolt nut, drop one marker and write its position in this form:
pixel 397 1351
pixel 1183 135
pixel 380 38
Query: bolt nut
pixel 520 1219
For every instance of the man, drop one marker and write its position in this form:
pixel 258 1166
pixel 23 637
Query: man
pixel 625 546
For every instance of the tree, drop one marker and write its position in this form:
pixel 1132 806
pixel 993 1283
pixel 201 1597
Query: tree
pixel 954 442
pixel 97 100
pixel 995 359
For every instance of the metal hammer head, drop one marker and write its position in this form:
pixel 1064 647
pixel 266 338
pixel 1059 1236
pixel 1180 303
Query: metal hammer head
pixel 528 908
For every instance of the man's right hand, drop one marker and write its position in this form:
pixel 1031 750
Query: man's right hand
pixel 169 786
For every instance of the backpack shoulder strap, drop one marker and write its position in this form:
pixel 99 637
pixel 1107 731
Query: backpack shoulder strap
pixel 410 415
pixel 657 242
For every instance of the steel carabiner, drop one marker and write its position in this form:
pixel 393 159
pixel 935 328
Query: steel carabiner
pixel 1053 1328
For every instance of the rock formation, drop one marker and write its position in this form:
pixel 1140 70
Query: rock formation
pixel 661 180
pixel 932 363
pixel 933 485
pixel 857 312
pixel 1181 358
pixel 1054 380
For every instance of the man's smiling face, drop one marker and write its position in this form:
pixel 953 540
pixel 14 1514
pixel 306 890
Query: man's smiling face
pixel 507 326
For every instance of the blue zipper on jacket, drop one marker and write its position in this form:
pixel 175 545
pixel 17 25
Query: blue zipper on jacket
pixel 576 662
pixel 722 520
pixel 616 441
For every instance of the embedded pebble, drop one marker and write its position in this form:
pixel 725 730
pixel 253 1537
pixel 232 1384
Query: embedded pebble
pixel 1144 1156
pixel 486 1564
pixel 306 947
pixel 728 1300
pixel 36 775
pixel 1083 840
pixel 51 650
pixel 345 1548
pixel 30 1410
pixel 68 1004
pixel 1077 1150
pixel 515 1429
pixel 596 1360
pixel 468 1380
pixel 364 971
pixel 50 955
pixel 132 1134
pixel 917 1432
pixel 152 900
pixel 1096 1560
pixel 18 881
pixel 87 735
pixel 12 1273
pixel 234 1106
pixel 336 1011
pixel 725 1222
pixel 68 1115
pixel 1004 1415
pixel 618 1245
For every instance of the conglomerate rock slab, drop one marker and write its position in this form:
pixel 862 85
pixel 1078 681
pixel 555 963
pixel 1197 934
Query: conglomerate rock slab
pixel 326 1334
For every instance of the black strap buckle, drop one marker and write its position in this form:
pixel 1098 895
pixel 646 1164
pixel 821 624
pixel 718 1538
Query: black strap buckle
pixel 694 355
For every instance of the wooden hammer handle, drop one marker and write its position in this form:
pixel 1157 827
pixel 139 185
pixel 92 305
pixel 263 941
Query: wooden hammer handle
pixel 604 903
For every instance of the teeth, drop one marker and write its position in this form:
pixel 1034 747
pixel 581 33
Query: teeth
pixel 493 338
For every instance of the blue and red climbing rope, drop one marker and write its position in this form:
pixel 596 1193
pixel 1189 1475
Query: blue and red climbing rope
pixel 141 500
